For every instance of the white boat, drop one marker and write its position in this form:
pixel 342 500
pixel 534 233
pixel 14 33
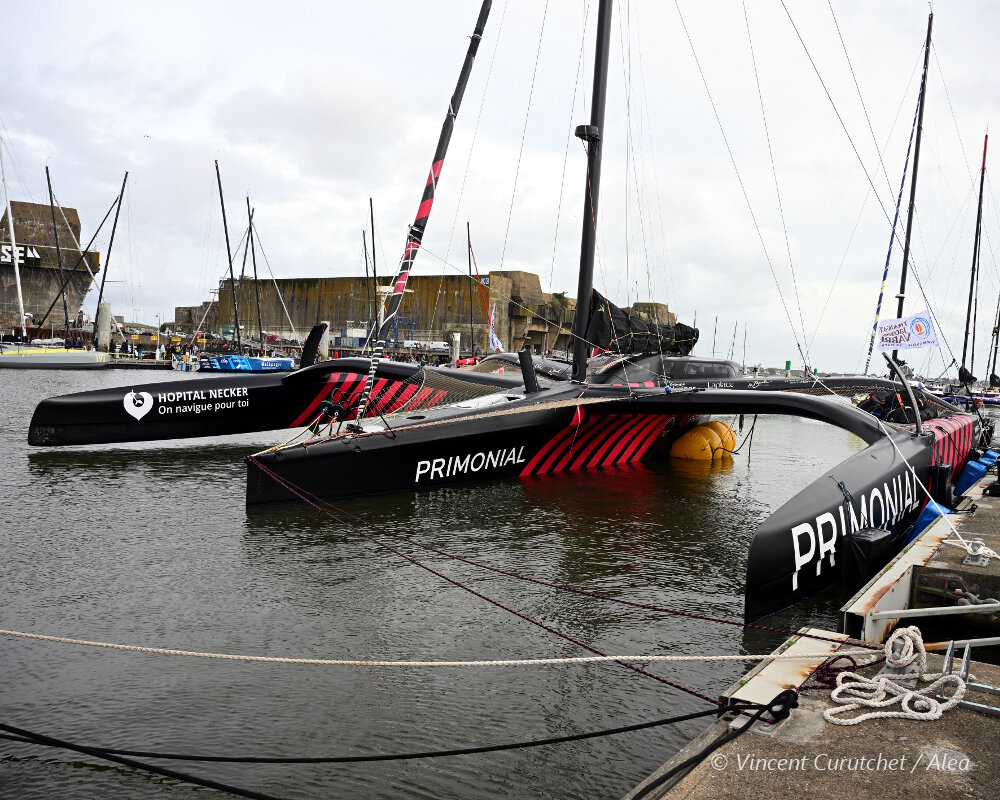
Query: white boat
pixel 16 356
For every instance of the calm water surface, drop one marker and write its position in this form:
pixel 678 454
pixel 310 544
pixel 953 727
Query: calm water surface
pixel 152 546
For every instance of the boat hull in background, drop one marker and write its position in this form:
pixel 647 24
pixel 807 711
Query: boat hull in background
pixel 36 358
pixel 231 404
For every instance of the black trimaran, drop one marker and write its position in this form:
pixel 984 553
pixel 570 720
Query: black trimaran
pixel 506 427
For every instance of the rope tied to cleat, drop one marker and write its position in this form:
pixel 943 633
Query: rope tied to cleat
pixel 903 650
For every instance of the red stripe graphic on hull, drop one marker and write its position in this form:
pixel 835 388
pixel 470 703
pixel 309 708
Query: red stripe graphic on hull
pixel 311 408
pixel 595 440
pixel 624 440
pixel 654 428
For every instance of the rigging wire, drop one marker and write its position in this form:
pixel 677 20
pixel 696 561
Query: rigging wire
pixel 892 233
pixel 861 162
pixel 947 95
pixel 632 149
pixel 25 187
pixel 861 99
pixel 739 178
pixel 864 203
pixel 652 153
pixel 569 139
pixel 524 132
pixel 836 111
pixel 626 56
pixel 774 172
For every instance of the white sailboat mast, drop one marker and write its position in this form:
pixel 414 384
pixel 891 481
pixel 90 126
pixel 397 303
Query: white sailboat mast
pixel 13 247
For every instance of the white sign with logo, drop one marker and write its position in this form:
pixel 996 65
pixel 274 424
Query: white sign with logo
pixel 907 333
pixel 138 404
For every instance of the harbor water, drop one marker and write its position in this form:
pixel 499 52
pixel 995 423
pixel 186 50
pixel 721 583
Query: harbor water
pixel 151 545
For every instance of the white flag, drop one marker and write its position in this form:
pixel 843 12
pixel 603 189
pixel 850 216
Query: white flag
pixel 494 341
pixel 907 333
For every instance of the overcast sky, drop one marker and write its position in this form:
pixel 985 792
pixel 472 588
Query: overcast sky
pixel 312 108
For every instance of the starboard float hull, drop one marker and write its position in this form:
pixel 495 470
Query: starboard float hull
pixel 800 549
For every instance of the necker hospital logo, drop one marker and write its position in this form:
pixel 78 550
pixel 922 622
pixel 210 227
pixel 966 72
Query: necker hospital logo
pixel 138 404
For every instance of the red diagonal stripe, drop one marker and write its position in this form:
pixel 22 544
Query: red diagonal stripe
pixel 435 172
pixel 654 428
pixel 421 398
pixel 618 452
pixel 614 436
pixel 596 437
pixel 311 408
pixel 408 390
pixel 587 435
pixel 623 440
pixel 556 440
pixel 564 449
pixel 650 438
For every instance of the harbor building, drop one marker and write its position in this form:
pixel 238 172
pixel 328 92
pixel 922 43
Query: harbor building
pixel 42 281
pixel 434 307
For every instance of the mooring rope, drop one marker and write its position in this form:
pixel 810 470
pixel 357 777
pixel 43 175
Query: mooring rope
pixel 347 662
pixel 854 692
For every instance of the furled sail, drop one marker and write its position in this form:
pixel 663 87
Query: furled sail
pixel 620 331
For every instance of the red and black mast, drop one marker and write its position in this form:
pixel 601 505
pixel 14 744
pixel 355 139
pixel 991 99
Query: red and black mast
pixel 416 234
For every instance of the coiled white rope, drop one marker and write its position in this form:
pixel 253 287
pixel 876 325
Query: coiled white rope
pixel 854 692
pixel 341 662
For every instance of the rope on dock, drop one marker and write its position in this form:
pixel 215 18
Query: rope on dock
pixel 344 662
pixel 903 648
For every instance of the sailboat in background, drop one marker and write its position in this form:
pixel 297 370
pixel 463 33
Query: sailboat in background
pixel 964 393
pixel 244 359
pixel 22 355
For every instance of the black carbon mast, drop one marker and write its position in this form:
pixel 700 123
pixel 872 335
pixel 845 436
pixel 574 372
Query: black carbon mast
pixel 256 285
pixel 591 134
pixel 107 258
pixel 416 233
pixel 229 258
pixel 965 373
pixel 913 182
pixel 55 233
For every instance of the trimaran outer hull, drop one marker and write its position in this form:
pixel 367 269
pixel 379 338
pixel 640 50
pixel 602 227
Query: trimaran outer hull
pixel 229 404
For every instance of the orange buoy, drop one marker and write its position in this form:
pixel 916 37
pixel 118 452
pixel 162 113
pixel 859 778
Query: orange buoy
pixel 726 434
pixel 699 444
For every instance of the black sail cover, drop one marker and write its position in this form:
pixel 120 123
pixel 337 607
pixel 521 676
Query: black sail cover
pixel 618 331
